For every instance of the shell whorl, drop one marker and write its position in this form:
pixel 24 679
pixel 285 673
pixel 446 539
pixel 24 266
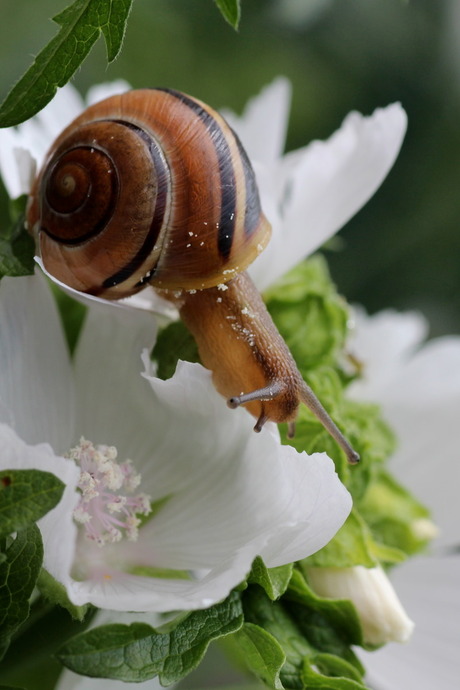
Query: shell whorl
pixel 151 186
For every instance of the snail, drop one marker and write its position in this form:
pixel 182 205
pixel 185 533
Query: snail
pixel 152 187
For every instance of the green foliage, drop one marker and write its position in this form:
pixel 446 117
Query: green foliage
pixel 274 581
pixel 173 343
pixel 231 10
pixel 25 496
pixel 55 593
pixel 300 640
pixel 16 245
pixel 81 24
pixel 18 575
pixel 137 652
pixel 309 313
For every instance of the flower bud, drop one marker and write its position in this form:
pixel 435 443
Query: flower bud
pixel 380 612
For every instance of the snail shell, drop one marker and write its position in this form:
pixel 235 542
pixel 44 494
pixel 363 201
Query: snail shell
pixel 151 186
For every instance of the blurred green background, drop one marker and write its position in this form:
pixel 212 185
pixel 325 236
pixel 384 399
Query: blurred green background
pixel 403 249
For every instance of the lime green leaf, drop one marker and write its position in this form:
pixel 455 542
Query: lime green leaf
pixel 309 314
pixel 55 593
pixel 173 343
pixel 81 24
pixel 25 496
pixel 394 514
pixel 273 580
pixel 262 654
pixel 231 10
pixel 18 575
pixel 137 652
pixel 350 546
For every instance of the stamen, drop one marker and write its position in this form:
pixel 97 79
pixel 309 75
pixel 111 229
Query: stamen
pixel 106 512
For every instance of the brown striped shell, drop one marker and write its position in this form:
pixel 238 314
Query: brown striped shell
pixel 151 186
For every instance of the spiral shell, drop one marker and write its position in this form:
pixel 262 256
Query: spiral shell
pixel 151 186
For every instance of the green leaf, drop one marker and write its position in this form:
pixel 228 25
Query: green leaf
pixel 393 514
pixel 309 314
pixel 17 250
pixel 352 545
pixel 18 575
pixel 231 10
pixel 138 652
pixel 25 496
pixel 81 24
pixel 54 592
pixel 173 343
pixel 331 625
pixel 261 653
pixel 329 672
pixel 273 580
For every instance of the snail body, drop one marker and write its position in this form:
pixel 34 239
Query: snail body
pixel 152 187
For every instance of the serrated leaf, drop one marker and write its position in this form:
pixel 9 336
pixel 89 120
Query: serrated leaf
pixel 18 575
pixel 273 580
pixel 138 652
pixel 81 24
pixel 25 496
pixel 231 11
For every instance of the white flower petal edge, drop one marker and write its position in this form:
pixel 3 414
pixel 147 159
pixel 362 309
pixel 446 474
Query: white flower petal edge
pixel 263 125
pixel 380 612
pixel 57 527
pixel 319 188
pixel 419 391
pixel 429 588
pixel 36 392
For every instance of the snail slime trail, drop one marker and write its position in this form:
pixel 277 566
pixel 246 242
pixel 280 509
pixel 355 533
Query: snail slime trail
pixel 152 187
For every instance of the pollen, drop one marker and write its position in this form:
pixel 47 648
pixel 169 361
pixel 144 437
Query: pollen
pixel 108 511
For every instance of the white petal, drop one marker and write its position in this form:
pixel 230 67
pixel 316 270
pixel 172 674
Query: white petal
pixel 17 166
pixel 380 612
pixel 111 88
pixel 114 402
pixel 57 527
pixel 382 344
pixel 36 388
pixel 233 495
pixel 419 392
pixel 429 589
pixel 262 126
pixel 40 131
pixel 325 184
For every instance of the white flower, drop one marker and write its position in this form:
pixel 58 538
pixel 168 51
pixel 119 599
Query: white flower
pixel 309 194
pixel 226 494
pixel 418 386
pixel 380 612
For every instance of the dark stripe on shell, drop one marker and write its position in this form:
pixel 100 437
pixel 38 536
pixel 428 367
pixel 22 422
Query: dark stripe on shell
pixel 226 229
pixel 253 209
pixel 163 178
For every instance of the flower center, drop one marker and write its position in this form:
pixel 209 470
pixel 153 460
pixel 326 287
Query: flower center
pixel 105 510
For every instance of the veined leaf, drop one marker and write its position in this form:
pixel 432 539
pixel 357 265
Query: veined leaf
pixel 81 24
pixel 231 11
